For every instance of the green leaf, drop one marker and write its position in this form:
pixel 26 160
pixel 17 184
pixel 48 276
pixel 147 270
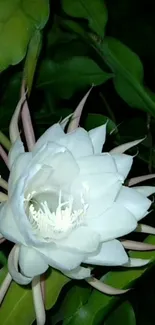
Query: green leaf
pixel 74 299
pixel 18 21
pixel 66 77
pixel 32 58
pixel 122 315
pixel 95 120
pixel 128 69
pixel 99 304
pixel 17 307
pixel 94 11
pixel 3 259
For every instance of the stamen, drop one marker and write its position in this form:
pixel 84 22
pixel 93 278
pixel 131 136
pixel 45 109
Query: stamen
pixel 54 225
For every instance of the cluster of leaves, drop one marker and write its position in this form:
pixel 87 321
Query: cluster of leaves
pixel 107 44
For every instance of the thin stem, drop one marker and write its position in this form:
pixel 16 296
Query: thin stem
pixel 38 301
pixel 5 141
pixel 5 286
pixel 4 155
pixel 138 246
pixel 27 123
pixel 139 179
pixel 145 229
pixel 3 183
pixel 97 284
pixel 3 197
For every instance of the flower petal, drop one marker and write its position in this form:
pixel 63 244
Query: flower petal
pixel 123 163
pixel 54 133
pixel 115 222
pixel 126 146
pixel 16 149
pixel 79 273
pixel 31 262
pixel 111 253
pixel 61 259
pixel 78 143
pixel 18 168
pixel 99 191
pixel 135 202
pixel 99 205
pixel 97 136
pixel 13 267
pixel 8 226
pixel 82 239
pixel 102 163
pixel 145 190
pixel 136 262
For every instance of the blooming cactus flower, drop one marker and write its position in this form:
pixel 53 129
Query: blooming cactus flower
pixel 67 204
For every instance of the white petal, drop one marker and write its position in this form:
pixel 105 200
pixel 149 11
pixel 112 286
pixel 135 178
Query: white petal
pixel 18 209
pixel 102 163
pixel 111 253
pixel 61 259
pixel 78 143
pixel 115 222
pixel 135 202
pixel 53 134
pixel 99 191
pixel 97 136
pixel 96 185
pixel 82 239
pixel 103 202
pixel 31 262
pixel 13 267
pixel 123 163
pixel 79 273
pixel 16 149
pixel 145 190
pixel 8 226
pixel 18 168
pixel 136 262
pixel 126 146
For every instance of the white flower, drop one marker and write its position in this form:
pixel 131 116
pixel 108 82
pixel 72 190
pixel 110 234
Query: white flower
pixel 67 203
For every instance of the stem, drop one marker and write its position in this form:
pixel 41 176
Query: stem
pixel 4 156
pixel 5 141
pixel 3 183
pixel 38 301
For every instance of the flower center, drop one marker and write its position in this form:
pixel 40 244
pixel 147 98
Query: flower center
pixel 51 225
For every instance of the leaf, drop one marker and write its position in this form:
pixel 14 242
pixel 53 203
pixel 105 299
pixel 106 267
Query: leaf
pixel 18 22
pixel 17 307
pixel 74 299
pixel 128 69
pixel 95 120
pixel 94 11
pixel 3 259
pixel 99 304
pixel 123 314
pixel 66 77
pixel 32 58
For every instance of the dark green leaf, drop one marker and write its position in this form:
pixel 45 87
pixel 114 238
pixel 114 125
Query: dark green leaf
pixel 17 24
pixel 99 305
pixel 94 120
pixel 128 69
pixel 74 299
pixel 66 77
pixel 122 315
pixel 17 307
pixel 94 11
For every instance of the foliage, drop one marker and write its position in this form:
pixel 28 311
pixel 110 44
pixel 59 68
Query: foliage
pixel 64 48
